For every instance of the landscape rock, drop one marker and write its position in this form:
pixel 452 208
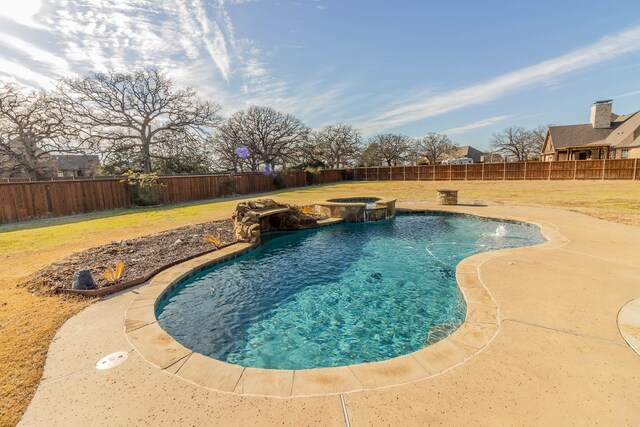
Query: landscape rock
pixel 83 281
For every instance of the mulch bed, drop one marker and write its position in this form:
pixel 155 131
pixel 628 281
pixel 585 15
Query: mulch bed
pixel 141 256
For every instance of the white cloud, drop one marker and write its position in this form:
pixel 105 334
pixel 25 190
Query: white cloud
pixel 214 39
pixel 544 72
pixel 9 70
pixel 23 12
pixel 627 94
pixel 459 130
pixel 53 63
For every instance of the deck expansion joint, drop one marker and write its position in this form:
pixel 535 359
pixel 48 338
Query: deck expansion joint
pixel 185 358
pixel 347 422
pixel 562 331
pixel 601 258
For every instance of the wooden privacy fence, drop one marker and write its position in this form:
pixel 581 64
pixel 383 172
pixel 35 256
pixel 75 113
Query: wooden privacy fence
pixel 329 176
pixel 573 169
pixel 39 199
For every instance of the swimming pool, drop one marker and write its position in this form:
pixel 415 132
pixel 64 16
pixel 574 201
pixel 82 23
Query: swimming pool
pixel 345 294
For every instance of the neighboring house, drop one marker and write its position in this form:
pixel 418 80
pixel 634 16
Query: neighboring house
pixel 72 165
pixel 607 136
pixel 53 165
pixel 491 158
pixel 465 151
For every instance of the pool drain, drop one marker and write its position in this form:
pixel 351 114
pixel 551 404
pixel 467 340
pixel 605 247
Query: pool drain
pixel 112 360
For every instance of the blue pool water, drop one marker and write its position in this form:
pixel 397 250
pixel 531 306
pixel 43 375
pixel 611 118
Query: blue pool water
pixel 345 294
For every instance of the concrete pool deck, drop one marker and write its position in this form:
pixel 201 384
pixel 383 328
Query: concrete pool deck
pixel 558 356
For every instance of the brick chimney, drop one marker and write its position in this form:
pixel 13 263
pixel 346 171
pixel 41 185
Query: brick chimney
pixel 601 114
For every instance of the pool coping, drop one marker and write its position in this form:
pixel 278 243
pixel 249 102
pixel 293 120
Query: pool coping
pixel 480 327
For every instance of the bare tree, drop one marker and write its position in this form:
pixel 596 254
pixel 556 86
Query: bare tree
pixel 136 112
pixel 32 127
pixel 516 143
pixel 183 154
pixel 371 155
pixel 434 146
pixel 392 148
pixel 336 145
pixel 260 136
pixel 538 136
pixel 231 155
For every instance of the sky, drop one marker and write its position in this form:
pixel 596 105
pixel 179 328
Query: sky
pixel 466 68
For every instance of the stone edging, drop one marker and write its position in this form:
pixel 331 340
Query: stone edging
pixel 481 325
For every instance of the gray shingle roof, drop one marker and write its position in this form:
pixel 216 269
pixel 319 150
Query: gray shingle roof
pixel 586 135
pixel 465 151
pixel 66 162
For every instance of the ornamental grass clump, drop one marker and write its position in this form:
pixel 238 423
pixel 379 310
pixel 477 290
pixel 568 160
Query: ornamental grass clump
pixel 114 274
pixel 214 240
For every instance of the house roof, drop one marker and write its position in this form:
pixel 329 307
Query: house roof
pixel 465 151
pixel 65 162
pixel 585 135
pixel 628 133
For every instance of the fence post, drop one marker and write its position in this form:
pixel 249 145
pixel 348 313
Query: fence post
pixel 604 164
pixel 575 169
pixel 549 177
pixel 450 165
pixel 635 168
pixel 418 172
pixel 466 171
pixel 434 173
pixel 404 173
pixel 525 170
pixel 504 170
pixel 378 174
pixel 391 173
pixel 482 176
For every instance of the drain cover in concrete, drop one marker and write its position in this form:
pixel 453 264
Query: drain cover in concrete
pixel 112 360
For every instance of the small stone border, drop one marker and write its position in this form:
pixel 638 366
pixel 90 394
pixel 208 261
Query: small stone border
pixel 629 324
pixel 481 325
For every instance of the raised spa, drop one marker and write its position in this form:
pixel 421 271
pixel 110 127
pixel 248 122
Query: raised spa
pixel 334 296
pixel 358 209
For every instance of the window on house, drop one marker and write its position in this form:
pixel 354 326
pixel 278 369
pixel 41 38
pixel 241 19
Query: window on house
pixel 612 154
pixel 624 153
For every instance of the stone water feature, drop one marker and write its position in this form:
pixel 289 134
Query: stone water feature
pixel 253 217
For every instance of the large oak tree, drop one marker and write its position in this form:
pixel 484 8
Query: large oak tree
pixel 392 149
pixel 137 113
pixel 517 143
pixel 434 146
pixel 336 146
pixel 32 127
pixel 259 137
